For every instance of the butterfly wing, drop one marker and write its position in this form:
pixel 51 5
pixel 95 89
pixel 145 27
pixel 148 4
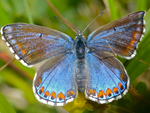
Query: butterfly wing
pixel 54 83
pixel 108 79
pixel 32 44
pixel 121 35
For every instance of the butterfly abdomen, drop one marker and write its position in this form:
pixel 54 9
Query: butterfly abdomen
pixel 80 74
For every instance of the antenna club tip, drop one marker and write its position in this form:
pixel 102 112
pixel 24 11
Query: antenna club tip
pixel 79 31
pixel 103 11
pixel 55 16
pixel 93 21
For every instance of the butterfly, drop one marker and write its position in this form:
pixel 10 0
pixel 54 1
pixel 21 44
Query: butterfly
pixel 84 64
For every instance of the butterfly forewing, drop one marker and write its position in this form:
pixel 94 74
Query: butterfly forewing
pixel 108 79
pixel 120 36
pixel 32 44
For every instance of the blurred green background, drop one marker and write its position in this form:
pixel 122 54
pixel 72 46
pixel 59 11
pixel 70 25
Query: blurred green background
pixel 16 93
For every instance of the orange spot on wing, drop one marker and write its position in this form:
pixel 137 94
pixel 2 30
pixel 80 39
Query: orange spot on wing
pixel 121 76
pixel 101 93
pixel 40 80
pixel 72 92
pixel 90 91
pixel 108 91
pixel 115 89
pixel 19 45
pixel 68 92
pixel 53 94
pixel 132 42
pixel 120 86
pixel 46 93
pixel 23 51
pixel 61 95
pixel 42 89
pixel 94 91
pixel 134 35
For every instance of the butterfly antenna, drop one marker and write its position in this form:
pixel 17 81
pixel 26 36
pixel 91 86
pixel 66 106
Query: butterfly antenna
pixel 93 21
pixel 66 24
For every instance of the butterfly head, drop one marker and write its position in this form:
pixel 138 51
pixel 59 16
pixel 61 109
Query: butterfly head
pixel 80 45
pixel 79 35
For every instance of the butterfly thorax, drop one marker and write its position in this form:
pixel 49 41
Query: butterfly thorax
pixel 80 51
pixel 80 47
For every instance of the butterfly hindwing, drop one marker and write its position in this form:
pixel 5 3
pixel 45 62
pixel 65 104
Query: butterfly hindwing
pixel 121 35
pixel 32 44
pixel 54 83
pixel 108 79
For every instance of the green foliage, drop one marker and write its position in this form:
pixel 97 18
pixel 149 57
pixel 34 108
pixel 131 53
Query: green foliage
pixel 5 107
pixel 16 79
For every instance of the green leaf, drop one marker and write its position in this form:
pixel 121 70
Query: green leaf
pixel 5 107
pixel 28 12
pixel 10 77
pixel 141 5
pixel 113 9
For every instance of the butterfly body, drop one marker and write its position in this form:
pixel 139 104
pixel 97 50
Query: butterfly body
pixel 80 52
pixel 82 64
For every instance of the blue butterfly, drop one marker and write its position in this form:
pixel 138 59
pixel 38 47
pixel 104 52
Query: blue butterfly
pixel 82 64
